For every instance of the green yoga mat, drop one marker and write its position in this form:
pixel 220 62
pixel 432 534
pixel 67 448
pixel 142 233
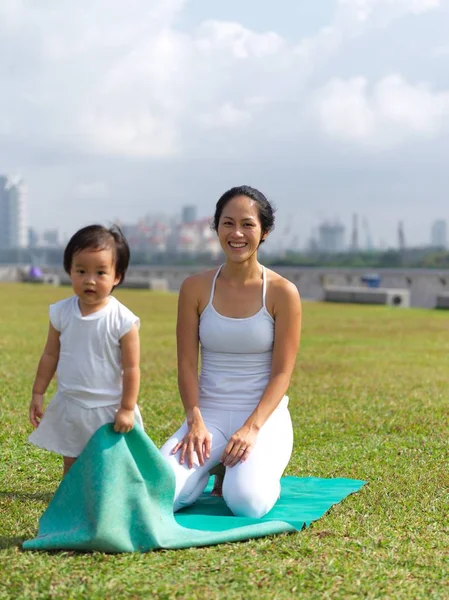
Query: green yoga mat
pixel 118 497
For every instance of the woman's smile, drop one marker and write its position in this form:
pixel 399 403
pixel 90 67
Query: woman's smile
pixel 238 245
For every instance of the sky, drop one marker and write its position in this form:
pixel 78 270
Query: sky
pixel 112 110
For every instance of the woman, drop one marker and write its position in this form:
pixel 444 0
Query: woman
pixel 247 321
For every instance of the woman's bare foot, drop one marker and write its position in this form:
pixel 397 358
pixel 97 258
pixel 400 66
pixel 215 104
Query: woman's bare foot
pixel 217 490
pixel 219 473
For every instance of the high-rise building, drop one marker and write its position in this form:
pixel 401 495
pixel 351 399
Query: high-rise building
pixel 189 214
pixel 13 226
pixel 33 238
pixel 331 237
pixel 438 234
pixel 51 238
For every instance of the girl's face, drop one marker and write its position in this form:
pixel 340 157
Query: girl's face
pixel 93 277
pixel 239 229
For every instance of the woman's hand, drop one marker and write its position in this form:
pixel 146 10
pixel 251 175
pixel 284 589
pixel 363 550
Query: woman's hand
pixel 198 440
pixel 239 446
pixel 36 409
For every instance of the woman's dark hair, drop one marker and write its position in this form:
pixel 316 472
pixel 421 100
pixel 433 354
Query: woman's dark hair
pixel 97 237
pixel 264 207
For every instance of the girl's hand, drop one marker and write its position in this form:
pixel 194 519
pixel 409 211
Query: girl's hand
pixel 198 440
pixel 239 446
pixel 36 411
pixel 124 420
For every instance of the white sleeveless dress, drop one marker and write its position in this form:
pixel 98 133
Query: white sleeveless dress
pixel 89 374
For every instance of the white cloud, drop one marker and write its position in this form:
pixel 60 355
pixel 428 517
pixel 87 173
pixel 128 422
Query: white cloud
pixel 385 10
pixel 108 78
pixel 90 88
pixel 98 76
pixel 239 41
pixel 227 115
pixel 389 113
pixel 343 110
pixel 134 107
pixel 351 20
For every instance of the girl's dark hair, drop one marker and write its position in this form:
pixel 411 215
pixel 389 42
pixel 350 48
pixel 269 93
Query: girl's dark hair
pixel 264 207
pixel 97 237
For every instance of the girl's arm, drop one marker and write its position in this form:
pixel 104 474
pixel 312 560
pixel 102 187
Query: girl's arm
pixel 45 372
pixel 187 336
pixel 287 333
pixel 130 346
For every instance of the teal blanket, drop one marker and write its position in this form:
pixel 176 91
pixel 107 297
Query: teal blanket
pixel 118 497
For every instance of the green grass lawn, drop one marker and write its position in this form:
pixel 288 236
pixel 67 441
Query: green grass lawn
pixel 369 400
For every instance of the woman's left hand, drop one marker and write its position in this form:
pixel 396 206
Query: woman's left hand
pixel 239 446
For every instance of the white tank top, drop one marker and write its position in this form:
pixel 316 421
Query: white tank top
pixel 236 356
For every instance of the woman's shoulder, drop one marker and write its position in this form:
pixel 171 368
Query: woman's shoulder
pixel 196 289
pixel 198 283
pixel 281 287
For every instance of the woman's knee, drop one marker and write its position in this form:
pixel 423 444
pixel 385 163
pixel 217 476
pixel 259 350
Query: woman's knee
pixel 250 501
pixel 188 491
pixel 189 483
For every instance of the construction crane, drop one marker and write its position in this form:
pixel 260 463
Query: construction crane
pixel 368 238
pixel 401 236
pixel 355 233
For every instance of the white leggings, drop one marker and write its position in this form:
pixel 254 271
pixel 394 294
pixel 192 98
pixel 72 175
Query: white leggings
pixel 250 489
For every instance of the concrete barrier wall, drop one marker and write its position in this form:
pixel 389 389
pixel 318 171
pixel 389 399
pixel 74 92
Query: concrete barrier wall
pixel 9 273
pixel 424 285
pixel 355 294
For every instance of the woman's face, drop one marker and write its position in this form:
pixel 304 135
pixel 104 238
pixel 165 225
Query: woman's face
pixel 239 229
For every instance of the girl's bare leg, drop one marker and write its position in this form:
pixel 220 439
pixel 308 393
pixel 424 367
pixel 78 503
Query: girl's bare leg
pixel 68 462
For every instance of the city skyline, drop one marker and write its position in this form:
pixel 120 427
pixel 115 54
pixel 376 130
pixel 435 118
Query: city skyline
pixel 330 108
pixel 329 235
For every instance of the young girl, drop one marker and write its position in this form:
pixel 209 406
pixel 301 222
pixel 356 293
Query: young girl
pixel 93 346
